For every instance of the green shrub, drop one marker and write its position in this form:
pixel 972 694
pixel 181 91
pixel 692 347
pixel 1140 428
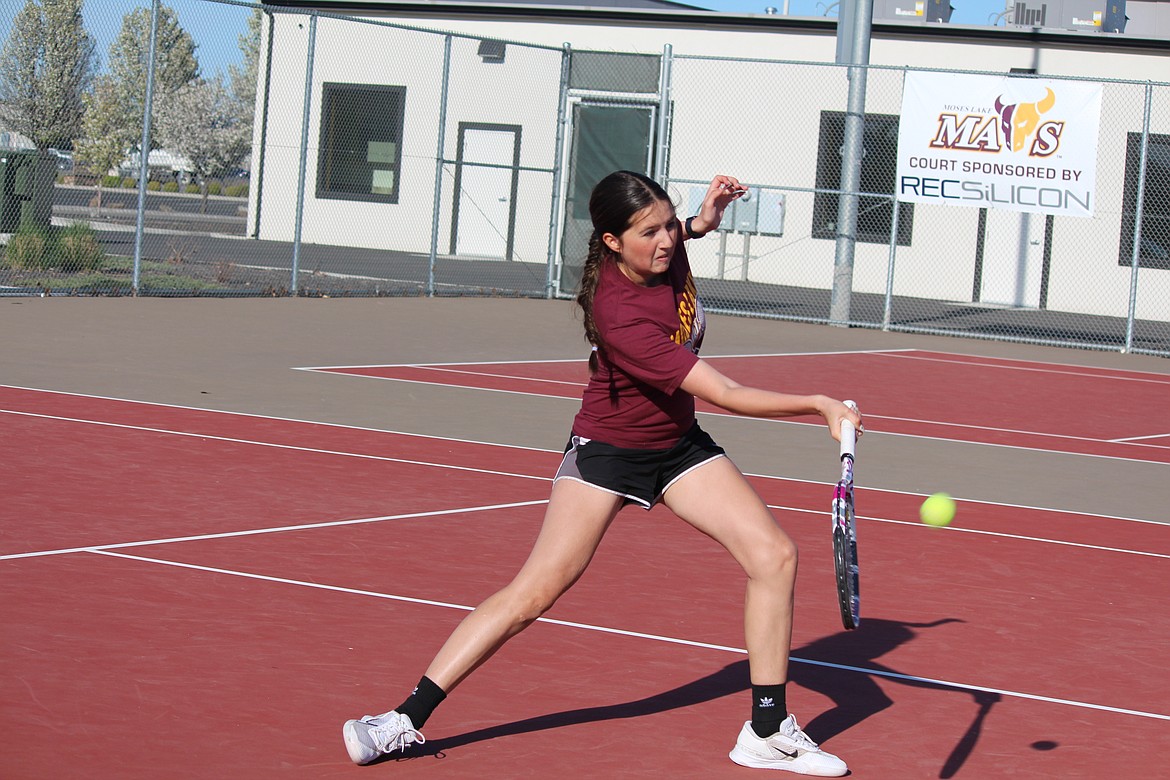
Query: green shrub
pixel 27 249
pixel 214 188
pixel 111 182
pixel 170 186
pixel 193 189
pixel 77 248
pixel 153 186
pixel 129 183
pixel 236 190
pixel 70 249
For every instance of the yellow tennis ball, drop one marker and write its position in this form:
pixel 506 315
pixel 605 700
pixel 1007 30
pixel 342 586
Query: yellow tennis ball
pixel 938 510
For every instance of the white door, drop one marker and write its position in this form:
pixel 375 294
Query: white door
pixel 1013 259
pixel 485 194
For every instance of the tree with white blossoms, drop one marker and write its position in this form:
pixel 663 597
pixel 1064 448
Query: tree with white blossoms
pixel 175 65
pixel 106 136
pixel 114 109
pixel 243 77
pixel 46 67
pixel 197 121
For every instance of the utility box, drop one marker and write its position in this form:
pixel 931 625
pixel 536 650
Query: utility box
pixel 739 217
pixel 920 11
pixel 761 214
pixel 772 207
pixel 26 189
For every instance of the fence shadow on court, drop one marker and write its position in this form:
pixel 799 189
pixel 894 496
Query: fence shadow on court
pixel 816 666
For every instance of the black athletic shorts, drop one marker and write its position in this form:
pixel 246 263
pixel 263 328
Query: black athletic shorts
pixel 639 476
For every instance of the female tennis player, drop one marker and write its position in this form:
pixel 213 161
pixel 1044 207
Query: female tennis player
pixel 636 440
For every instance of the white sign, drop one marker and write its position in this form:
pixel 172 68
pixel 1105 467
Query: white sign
pixel 1021 144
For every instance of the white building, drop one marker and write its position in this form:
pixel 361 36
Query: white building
pixel 547 98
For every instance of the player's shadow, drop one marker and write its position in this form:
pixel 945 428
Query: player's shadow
pixel 855 696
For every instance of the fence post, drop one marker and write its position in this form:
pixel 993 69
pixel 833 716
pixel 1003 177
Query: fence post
pixel 1136 253
pixel 852 156
pixel 554 219
pixel 144 149
pixel 301 173
pixel 257 196
pixel 664 100
pixel 887 313
pixel 440 149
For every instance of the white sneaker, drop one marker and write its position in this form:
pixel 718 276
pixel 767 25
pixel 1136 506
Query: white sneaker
pixel 789 749
pixel 378 735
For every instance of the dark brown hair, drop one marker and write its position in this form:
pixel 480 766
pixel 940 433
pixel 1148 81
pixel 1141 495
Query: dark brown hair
pixel 612 206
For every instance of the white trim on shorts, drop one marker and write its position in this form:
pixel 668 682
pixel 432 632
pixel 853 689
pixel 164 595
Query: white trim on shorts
pixel 581 440
pixel 578 441
pixel 668 485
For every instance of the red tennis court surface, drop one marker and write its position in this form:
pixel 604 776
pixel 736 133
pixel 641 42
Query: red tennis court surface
pixel 199 594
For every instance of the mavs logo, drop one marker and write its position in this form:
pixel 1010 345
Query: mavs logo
pixel 1018 127
pixel 1021 123
pixel 692 321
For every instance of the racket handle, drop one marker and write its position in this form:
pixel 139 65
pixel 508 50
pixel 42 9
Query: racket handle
pixel 848 434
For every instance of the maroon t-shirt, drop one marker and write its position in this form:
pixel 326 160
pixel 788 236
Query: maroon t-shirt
pixel 650 339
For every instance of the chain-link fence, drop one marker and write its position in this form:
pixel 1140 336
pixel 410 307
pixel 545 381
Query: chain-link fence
pixel 342 156
pixel 980 272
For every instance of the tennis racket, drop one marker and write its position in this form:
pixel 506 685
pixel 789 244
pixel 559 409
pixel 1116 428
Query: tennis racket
pixel 845 532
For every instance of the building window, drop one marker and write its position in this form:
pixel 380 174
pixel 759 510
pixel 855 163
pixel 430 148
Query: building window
pixel 607 71
pixel 1155 243
pixel 360 155
pixel 878 174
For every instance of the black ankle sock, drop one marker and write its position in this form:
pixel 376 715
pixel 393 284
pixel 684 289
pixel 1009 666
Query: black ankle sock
pixel 769 709
pixel 422 702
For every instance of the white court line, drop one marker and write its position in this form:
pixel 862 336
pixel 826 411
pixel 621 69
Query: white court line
pixel 980 532
pixel 1133 441
pixel 253 416
pixel 584 359
pixel 641 635
pixel 1037 450
pixel 273 530
pixel 1128 439
pixel 425 365
pixel 1039 367
pixel 460 368
pixel 464 372
pixel 1018 537
pixel 465 510
pixel 472 388
pixel 899 353
pixel 1000 445
pixel 976 501
pixel 292 447
pixel 1089 439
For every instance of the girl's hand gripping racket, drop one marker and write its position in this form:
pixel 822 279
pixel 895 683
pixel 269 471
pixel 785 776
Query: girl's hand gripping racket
pixel 845 531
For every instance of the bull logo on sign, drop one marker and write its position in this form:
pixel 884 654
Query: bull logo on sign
pixel 1021 121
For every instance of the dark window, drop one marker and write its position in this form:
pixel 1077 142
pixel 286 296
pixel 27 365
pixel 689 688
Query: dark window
pixel 607 71
pixel 878 174
pixel 360 155
pixel 1155 243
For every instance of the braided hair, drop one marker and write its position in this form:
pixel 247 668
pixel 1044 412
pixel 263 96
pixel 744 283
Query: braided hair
pixel 612 206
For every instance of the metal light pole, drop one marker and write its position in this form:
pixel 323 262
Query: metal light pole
pixel 853 31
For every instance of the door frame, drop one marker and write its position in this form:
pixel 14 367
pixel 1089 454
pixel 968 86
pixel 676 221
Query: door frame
pixel 650 102
pixel 510 239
